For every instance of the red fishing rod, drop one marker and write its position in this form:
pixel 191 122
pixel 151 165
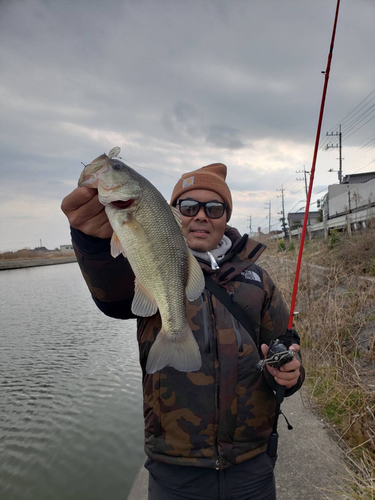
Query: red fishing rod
pixel 279 355
pixel 299 260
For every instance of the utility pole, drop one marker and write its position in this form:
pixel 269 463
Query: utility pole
pixel 283 222
pixel 339 146
pixel 304 171
pixel 268 205
pixel 250 229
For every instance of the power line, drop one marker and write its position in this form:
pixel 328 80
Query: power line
pixel 353 120
pixel 370 146
pixel 343 119
pixel 356 130
pixel 364 145
pixel 367 164
pixel 360 119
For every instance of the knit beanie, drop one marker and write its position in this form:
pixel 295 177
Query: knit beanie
pixel 212 178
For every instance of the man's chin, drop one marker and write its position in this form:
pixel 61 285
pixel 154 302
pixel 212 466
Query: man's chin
pixel 199 246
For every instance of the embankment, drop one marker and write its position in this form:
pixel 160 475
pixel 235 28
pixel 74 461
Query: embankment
pixel 336 322
pixel 22 263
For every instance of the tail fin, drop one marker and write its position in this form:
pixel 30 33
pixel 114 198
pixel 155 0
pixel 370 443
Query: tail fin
pixel 182 354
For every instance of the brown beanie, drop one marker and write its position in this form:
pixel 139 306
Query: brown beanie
pixel 212 177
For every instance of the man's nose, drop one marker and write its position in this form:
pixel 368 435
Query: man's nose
pixel 201 215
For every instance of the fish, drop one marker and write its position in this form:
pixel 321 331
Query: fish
pixel 148 232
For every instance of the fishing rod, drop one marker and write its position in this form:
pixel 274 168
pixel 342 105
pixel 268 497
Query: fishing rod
pixel 277 355
pixel 304 227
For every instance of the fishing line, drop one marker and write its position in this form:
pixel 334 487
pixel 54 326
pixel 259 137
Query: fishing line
pixel 299 259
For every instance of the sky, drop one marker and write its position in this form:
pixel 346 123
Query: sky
pixel 179 84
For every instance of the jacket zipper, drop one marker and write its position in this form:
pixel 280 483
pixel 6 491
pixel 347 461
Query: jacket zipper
pixel 236 326
pixel 217 386
pixel 205 323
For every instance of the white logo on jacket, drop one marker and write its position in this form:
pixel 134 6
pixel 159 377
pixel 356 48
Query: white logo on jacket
pixel 250 275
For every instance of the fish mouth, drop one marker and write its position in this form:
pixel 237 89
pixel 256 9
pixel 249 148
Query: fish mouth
pixel 121 205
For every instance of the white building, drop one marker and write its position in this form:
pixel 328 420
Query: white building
pixel 68 249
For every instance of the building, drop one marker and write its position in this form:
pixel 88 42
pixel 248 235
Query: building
pixel 358 178
pixel 68 249
pixel 295 219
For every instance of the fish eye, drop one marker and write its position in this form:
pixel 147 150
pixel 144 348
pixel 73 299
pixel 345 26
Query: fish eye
pixel 118 167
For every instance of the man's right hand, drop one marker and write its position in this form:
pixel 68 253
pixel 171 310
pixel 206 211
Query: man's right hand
pixel 86 213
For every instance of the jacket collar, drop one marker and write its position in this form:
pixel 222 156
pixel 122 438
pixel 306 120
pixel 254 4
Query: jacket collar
pixel 244 252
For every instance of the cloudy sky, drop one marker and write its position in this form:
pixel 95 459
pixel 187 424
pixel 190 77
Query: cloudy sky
pixel 178 84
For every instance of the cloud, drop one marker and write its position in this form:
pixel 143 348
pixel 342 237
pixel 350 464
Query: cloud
pixel 176 85
pixel 224 137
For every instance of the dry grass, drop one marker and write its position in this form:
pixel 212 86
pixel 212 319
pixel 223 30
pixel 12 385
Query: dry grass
pixel 26 253
pixel 341 251
pixel 337 323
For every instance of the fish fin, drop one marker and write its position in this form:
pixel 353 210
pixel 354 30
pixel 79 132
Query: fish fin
pixel 143 305
pixel 182 354
pixel 177 216
pixel 136 228
pixel 196 283
pixel 116 246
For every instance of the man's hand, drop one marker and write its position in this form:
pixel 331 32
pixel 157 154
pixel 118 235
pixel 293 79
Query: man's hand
pixel 86 213
pixel 287 374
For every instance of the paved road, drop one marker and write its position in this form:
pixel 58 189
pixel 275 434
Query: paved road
pixel 310 464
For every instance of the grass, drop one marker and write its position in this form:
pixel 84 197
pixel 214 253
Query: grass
pixel 336 308
pixel 357 252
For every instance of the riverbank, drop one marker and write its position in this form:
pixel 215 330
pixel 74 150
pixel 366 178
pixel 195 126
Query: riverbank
pixel 336 322
pixel 37 262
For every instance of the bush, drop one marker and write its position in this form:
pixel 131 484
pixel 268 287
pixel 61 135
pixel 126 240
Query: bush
pixel 281 245
pixel 333 238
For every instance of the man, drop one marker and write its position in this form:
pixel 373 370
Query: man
pixel 206 432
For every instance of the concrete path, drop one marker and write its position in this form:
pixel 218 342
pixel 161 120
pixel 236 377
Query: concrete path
pixel 310 464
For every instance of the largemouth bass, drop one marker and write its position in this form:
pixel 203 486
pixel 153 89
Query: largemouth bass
pixel 147 231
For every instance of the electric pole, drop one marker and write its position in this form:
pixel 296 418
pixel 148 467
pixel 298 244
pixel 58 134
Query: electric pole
pixel 304 171
pixel 250 229
pixel 283 222
pixel 339 146
pixel 268 205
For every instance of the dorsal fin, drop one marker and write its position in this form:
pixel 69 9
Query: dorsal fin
pixel 177 216
pixel 196 283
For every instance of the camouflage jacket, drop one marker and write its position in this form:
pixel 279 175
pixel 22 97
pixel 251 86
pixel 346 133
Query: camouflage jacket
pixel 221 415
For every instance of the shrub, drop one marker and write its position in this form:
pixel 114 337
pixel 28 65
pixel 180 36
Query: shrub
pixel 281 245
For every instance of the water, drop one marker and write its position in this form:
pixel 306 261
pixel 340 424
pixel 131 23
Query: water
pixel 71 424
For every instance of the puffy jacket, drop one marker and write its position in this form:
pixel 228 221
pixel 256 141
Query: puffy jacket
pixel 222 414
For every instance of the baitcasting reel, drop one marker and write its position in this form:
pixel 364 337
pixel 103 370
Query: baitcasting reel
pixel 278 355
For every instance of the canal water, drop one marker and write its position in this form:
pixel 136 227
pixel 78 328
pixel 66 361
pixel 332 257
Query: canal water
pixel 71 425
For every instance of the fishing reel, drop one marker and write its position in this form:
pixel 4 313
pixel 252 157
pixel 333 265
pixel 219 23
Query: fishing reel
pixel 278 355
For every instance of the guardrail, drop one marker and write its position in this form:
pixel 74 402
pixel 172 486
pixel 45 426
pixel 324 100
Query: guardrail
pixel 321 229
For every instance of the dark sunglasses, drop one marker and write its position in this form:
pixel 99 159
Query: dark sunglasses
pixel 213 209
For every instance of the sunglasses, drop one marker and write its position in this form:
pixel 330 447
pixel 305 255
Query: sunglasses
pixel 213 209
